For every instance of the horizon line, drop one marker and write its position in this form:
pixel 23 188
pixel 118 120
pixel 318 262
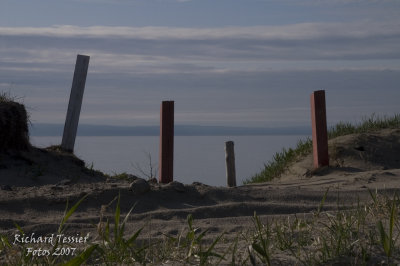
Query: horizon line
pixel 48 129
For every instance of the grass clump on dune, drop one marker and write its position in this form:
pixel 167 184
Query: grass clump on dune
pixel 370 124
pixel 5 97
pixel 281 160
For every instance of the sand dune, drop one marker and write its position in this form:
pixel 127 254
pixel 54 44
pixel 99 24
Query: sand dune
pixel 358 163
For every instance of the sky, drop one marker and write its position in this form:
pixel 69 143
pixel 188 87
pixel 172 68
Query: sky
pixel 251 63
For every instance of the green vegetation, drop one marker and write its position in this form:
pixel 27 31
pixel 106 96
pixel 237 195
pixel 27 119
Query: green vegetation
pixel 123 175
pixel 368 124
pixel 56 148
pixel 5 97
pixel 282 160
pixel 364 235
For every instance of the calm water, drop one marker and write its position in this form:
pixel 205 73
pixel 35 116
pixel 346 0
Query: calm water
pixel 197 158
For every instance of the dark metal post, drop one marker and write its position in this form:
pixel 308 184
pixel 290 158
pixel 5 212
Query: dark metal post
pixel 230 164
pixel 166 142
pixel 319 129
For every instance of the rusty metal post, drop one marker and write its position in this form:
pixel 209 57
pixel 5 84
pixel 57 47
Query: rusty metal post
pixel 166 142
pixel 319 129
pixel 75 103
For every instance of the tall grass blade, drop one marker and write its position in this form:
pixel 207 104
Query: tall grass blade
pixel 321 204
pixel 234 250
pixel 19 228
pixel 117 217
pixel 251 256
pixel 70 212
pixel 385 241
pixel 373 196
pixel 205 255
pixel 134 237
pixel 261 247
pixel 82 258
pixel 4 242
pixel 393 213
pixel 189 220
pixel 129 213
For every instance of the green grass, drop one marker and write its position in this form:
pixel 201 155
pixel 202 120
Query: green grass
pixel 123 175
pixel 368 124
pixel 5 97
pixel 282 160
pixel 366 234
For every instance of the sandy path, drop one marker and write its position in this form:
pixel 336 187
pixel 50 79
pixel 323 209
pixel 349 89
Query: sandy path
pixel 40 209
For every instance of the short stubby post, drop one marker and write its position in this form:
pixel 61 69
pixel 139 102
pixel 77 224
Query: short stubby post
pixel 230 164
pixel 166 161
pixel 75 103
pixel 319 129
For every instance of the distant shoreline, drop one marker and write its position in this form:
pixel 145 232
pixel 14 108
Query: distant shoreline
pixel 40 129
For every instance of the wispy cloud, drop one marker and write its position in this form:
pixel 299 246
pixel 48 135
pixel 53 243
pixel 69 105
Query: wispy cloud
pixel 301 31
pixel 226 75
pixel 155 48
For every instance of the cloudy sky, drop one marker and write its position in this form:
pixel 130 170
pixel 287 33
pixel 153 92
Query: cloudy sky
pixel 223 62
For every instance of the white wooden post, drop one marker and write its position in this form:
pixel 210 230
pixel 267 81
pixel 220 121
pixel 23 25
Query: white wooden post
pixel 75 103
pixel 230 164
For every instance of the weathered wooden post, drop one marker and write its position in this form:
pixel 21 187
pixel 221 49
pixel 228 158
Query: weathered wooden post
pixel 75 103
pixel 319 129
pixel 230 164
pixel 166 142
